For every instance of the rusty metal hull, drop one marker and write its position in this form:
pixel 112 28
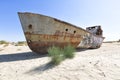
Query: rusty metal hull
pixel 42 32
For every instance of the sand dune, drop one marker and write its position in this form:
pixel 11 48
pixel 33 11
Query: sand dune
pixel 19 63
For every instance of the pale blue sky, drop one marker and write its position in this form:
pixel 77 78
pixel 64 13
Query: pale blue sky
pixel 82 13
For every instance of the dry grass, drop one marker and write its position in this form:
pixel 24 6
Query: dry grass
pixel 4 42
pixel 21 43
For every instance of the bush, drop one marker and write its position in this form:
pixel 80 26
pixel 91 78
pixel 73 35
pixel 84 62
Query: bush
pixel 69 51
pixel 58 54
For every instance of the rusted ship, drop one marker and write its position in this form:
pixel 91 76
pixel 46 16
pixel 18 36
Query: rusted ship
pixel 42 32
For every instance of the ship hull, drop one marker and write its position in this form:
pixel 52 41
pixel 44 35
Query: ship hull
pixel 42 32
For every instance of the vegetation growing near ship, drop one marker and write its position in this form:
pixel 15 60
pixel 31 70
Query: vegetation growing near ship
pixel 21 43
pixel 56 55
pixel 59 54
pixel 69 51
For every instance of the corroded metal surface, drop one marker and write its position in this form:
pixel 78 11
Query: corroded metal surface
pixel 42 32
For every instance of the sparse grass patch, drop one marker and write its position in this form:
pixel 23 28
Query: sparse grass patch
pixel 59 54
pixel 3 42
pixel 21 43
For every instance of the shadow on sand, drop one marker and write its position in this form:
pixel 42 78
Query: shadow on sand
pixel 82 49
pixel 19 56
pixel 25 56
pixel 28 56
pixel 40 69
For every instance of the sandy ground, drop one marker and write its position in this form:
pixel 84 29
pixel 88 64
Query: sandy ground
pixel 19 63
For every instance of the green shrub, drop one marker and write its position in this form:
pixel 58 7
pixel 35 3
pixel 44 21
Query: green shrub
pixel 69 51
pixel 59 54
pixel 56 55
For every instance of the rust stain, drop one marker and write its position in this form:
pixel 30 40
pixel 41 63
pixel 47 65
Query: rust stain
pixel 41 47
pixel 40 42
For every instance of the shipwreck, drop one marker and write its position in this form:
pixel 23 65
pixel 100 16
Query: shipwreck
pixel 42 32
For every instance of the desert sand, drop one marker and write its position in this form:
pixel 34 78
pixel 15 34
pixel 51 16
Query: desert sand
pixel 20 63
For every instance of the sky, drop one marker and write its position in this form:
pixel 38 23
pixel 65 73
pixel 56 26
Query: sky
pixel 82 13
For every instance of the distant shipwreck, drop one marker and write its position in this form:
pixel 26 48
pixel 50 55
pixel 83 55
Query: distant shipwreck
pixel 42 32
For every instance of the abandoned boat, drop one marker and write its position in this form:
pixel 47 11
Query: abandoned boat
pixel 42 32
